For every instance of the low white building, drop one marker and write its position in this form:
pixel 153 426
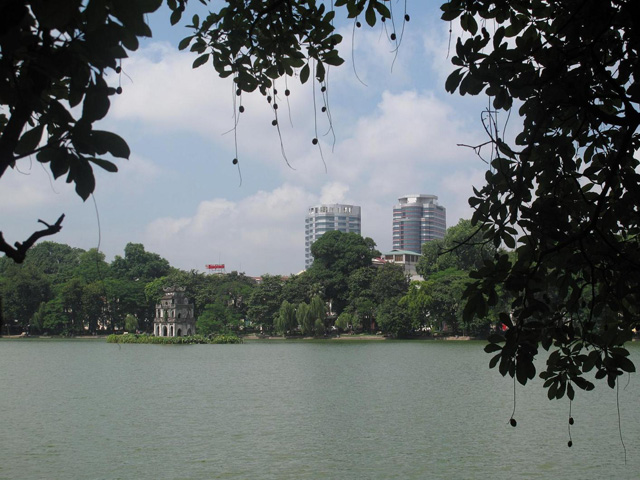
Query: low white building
pixel 406 259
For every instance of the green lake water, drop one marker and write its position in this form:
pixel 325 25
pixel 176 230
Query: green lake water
pixel 85 409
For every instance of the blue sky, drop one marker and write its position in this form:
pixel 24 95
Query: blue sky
pixel 180 195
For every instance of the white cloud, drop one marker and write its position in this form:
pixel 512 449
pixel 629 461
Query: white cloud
pixel 393 138
pixel 262 233
pixel 334 192
pixel 161 90
pixel 31 185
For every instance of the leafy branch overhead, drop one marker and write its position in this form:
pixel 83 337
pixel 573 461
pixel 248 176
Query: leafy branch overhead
pixel 55 56
pixel 258 42
pixel 564 192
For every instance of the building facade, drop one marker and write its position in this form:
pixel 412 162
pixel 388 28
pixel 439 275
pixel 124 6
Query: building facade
pixel 325 218
pixel 174 315
pixel 406 259
pixel 417 219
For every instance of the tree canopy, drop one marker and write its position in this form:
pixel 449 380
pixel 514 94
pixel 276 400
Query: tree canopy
pixel 55 56
pixel 565 191
pixel 335 256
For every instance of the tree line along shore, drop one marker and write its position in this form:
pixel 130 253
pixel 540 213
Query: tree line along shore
pixel 60 290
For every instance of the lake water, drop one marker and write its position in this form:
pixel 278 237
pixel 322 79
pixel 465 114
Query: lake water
pixel 85 409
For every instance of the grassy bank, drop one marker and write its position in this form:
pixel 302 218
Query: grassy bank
pixel 191 340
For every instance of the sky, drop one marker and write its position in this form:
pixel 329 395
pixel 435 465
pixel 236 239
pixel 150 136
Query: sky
pixel 395 131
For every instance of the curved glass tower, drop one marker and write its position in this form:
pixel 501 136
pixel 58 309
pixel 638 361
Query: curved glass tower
pixel 417 219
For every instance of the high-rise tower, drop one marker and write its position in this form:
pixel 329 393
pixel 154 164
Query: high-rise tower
pixel 417 219
pixel 325 218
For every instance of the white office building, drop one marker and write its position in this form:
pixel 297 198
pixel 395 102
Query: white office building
pixel 325 218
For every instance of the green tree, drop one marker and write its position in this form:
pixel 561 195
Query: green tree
pixel 55 260
pixel 345 321
pixel 130 323
pixel 463 248
pixel 92 266
pixel 54 320
pixel 444 301
pixel 393 318
pixel 286 319
pixel 318 312
pixel 303 316
pixel 564 191
pixel 71 296
pixel 389 282
pixel 94 308
pixel 234 290
pixel 364 309
pixel 300 288
pixel 139 265
pixel 265 301
pixel 318 328
pixel 216 318
pixel 22 290
pixel 336 255
pixel 417 301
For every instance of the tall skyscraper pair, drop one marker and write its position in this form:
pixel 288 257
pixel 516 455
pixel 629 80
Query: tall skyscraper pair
pixel 416 219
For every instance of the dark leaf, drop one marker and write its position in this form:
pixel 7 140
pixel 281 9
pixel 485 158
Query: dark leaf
pixel 304 74
pixel 185 42
pixel 201 60
pixel 110 142
pixel 492 347
pixel 29 141
pixel 107 165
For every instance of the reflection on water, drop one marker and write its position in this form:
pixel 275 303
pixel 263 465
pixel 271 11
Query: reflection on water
pixel 296 410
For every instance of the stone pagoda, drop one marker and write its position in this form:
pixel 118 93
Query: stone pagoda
pixel 174 314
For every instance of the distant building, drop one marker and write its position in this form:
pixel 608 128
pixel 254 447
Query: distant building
pixel 406 259
pixel 325 218
pixel 417 219
pixel 174 315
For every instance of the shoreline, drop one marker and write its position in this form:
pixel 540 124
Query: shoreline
pixel 360 338
pixel 257 338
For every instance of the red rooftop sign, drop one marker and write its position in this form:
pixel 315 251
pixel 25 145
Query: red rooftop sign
pixel 217 266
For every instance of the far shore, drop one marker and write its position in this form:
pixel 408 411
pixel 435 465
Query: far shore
pixel 255 337
pixel 364 337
